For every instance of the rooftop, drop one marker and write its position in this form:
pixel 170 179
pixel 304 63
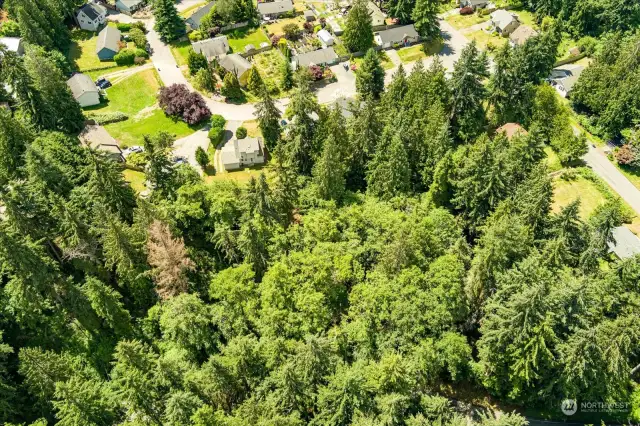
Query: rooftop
pixel 397 34
pixel 521 34
pixel 231 151
pixel 194 20
pixel 234 63
pixel 317 57
pixel 81 84
pixel 627 243
pixel 501 18
pixel 12 43
pixel 92 10
pixel 212 47
pixel 108 38
pixel 275 7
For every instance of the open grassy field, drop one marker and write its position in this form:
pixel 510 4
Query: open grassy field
pixel 526 17
pixel 82 55
pixel 419 51
pixel 130 132
pixel 565 192
pixel 276 27
pixel 180 51
pixel 241 176
pixel 484 39
pixel 464 21
pixel 253 131
pixel 240 37
pixel 553 162
pixel 132 95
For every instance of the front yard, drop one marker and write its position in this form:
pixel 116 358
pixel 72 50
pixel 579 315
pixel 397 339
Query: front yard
pixel 180 51
pixel 487 41
pixel 464 21
pixel 241 37
pixel 136 97
pixel 419 51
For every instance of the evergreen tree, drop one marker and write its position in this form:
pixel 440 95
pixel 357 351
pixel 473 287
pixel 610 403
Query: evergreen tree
pixel 396 90
pixel 202 157
pixel 168 24
pixel 389 173
pixel 328 172
pixel 268 116
pixel 425 16
pixel 196 62
pixel 14 138
pixel 469 93
pixel 370 76
pixel 358 35
pixel 231 87
pixel 287 75
pixel 363 131
pixel 254 81
pixel 299 146
pixel 401 9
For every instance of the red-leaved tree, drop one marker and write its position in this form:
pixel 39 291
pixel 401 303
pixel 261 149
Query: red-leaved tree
pixel 177 101
pixel 316 72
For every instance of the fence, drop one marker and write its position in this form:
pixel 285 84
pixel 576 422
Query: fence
pixel 570 59
pixel 234 26
pixel 254 51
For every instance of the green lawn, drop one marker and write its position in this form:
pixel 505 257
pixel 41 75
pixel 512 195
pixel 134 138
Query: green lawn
pixel 633 174
pixel 276 27
pixel 526 17
pixel 384 60
pixel 131 95
pixel 464 21
pixel 253 131
pixel 191 9
pixel 240 176
pixel 565 192
pixel 553 162
pixel 484 39
pixel 417 51
pixel 240 37
pixel 82 55
pixel 136 179
pixel 130 132
pixel 180 51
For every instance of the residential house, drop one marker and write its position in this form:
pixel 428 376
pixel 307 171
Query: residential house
pixel 474 3
pixel 378 18
pixel 236 64
pixel 274 9
pixel 325 37
pixel 504 22
pixel 309 15
pixel 564 77
pixel 246 152
pixel 98 138
pixel 91 16
pixel 194 20
pixel 335 26
pixel 212 47
pixel 13 44
pixel 84 90
pixel 129 7
pixel 511 129
pixel 626 244
pixel 108 44
pixel 521 34
pixel 325 56
pixel 405 35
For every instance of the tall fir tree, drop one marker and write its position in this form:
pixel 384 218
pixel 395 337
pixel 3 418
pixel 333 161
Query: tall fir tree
pixel 328 172
pixel 268 116
pixel 358 35
pixel 169 24
pixel 425 17
pixel 370 76
pixel 389 174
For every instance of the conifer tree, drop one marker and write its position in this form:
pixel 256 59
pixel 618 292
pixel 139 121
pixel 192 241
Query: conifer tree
pixel 389 173
pixel 14 138
pixel 370 76
pixel 328 172
pixel 425 16
pixel 268 116
pixel 358 35
pixel 300 147
pixel 169 24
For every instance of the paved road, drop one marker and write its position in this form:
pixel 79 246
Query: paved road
pixel 598 161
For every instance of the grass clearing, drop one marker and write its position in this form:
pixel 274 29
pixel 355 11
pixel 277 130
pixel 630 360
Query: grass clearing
pixel 180 51
pixel 553 162
pixel 464 21
pixel 136 179
pixel 419 51
pixel 130 132
pixel 253 131
pixel 484 39
pixel 241 37
pixel 631 173
pixel 565 192
pixel 276 27
pixel 132 94
pixel 526 17
pixel 384 60
pixel 82 55
pixel 241 176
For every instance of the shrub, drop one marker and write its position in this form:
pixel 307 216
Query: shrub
pixel 316 72
pixel 139 25
pixel 275 39
pixel 10 29
pixel 201 157
pixel 204 80
pixel 231 87
pixel 123 26
pixel 214 31
pixel 177 101
pixel 141 53
pixel 291 31
pixel 125 57
pixel 241 132
pixel 137 36
pixel 467 10
pixel 215 135
pixel 218 121
pixel 317 28
pixel 323 22
pixel 196 62
pixel 107 117
pixel 138 159
pixel 316 43
pixel 625 155
pixel 587 45
pixel 196 35
pixel 308 27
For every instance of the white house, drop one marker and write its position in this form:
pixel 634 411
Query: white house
pixel 129 7
pixel 406 34
pixel 238 153
pixel 84 90
pixel 504 22
pixel 377 16
pixel 91 16
pixel 325 37
pixel 13 44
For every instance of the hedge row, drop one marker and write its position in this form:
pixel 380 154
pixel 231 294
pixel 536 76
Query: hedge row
pixel 107 117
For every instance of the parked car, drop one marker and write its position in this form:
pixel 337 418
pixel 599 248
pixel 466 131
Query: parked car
pixel 177 160
pixel 131 150
pixel 103 83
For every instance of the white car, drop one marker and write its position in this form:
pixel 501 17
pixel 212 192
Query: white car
pixel 131 150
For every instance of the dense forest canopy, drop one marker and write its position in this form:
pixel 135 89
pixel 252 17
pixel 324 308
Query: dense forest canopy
pixel 382 267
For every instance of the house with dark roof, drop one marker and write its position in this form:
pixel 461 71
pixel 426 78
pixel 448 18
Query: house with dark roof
pixel 626 244
pixel 97 137
pixel 474 3
pixel 84 90
pixel 91 16
pixel 236 64
pixel 129 7
pixel 194 20
pixel 273 9
pixel 405 35
pixel 325 56
pixel 212 47
pixel 108 44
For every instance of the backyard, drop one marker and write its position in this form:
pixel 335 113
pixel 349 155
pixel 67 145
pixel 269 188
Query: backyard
pixel 82 55
pixel 136 96
pixel 241 37
pixel 464 21
pixel 269 64
pixel 276 27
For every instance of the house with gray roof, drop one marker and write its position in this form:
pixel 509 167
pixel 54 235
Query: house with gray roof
pixel 377 16
pixel 520 35
pixel 238 153
pixel 129 7
pixel 91 16
pixel 236 64
pixel 97 137
pixel 273 9
pixel 626 244
pixel 194 20
pixel 504 22
pixel 564 77
pixel 108 44
pixel 405 35
pixel 212 47
pixel 84 90
pixel 325 56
